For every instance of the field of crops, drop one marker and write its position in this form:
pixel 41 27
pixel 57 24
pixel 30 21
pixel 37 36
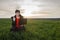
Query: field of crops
pixel 35 30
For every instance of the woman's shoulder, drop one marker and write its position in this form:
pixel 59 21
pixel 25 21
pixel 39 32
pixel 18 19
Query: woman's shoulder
pixel 12 16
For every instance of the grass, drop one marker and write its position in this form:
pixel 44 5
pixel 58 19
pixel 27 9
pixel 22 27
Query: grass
pixel 35 30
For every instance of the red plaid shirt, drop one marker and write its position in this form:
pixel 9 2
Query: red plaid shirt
pixel 17 22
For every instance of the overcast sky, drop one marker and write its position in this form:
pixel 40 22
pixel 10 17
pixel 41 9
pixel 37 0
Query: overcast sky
pixel 31 8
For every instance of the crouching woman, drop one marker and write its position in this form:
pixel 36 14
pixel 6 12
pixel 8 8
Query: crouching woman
pixel 17 22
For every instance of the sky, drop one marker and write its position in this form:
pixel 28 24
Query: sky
pixel 30 8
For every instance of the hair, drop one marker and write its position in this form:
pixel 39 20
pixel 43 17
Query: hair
pixel 17 11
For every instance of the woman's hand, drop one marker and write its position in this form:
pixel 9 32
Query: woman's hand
pixel 21 25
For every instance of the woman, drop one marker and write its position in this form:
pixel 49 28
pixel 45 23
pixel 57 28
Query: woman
pixel 17 21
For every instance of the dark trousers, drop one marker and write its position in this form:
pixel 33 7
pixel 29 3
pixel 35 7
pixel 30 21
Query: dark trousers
pixel 17 29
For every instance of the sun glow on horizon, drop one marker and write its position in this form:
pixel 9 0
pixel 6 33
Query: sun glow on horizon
pixel 28 9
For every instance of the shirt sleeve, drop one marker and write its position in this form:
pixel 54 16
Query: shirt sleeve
pixel 21 21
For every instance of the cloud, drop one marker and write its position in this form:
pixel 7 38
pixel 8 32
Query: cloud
pixel 49 7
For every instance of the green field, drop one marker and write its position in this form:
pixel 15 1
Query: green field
pixel 35 30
